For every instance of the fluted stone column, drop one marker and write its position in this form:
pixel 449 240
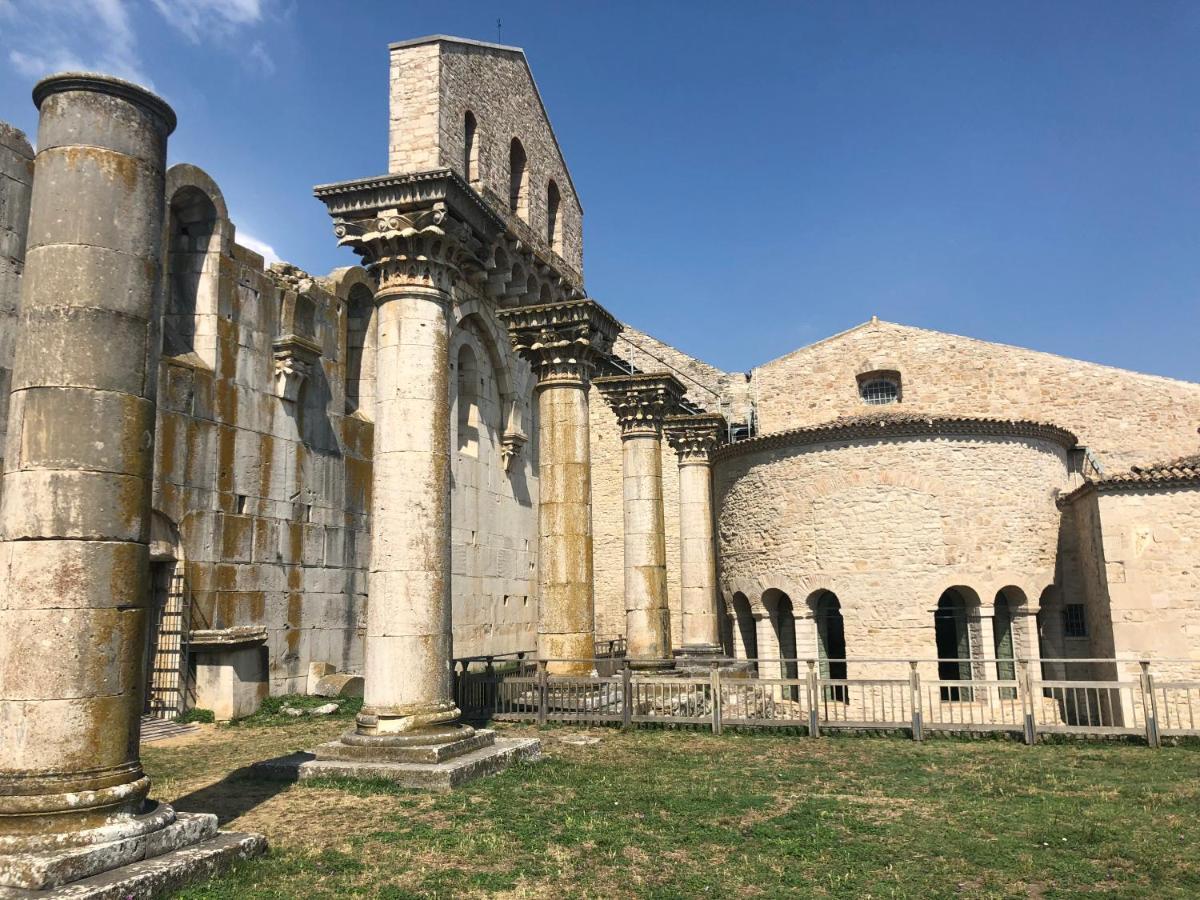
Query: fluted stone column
pixel 75 515
pixel 695 438
pixel 641 403
pixel 564 342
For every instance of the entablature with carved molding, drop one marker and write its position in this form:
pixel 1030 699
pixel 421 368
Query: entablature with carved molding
pixel 642 401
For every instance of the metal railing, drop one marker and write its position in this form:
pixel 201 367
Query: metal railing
pixel 1014 697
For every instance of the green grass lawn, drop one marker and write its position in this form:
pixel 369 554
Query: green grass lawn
pixel 682 814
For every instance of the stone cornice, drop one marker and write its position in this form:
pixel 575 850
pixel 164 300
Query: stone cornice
pixel 695 437
pixel 353 204
pixel 642 402
pixel 900 426
pixel 563 342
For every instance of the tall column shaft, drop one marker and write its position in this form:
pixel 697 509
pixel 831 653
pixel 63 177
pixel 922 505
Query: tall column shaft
pixel 642 401
pixel 407 670
pixel 698 559
pixel 564 342
pixel 75 515
pixel 566 614
pixel 647 616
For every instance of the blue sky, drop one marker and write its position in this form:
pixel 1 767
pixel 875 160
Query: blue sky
pixel 755 176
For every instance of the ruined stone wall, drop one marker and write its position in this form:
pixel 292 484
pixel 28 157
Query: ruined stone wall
pixel 1125 417
pixel 270 497
pixel 16 184
pixel 1149 543
pixel 493 513
pixel 433 86
pixel 888 525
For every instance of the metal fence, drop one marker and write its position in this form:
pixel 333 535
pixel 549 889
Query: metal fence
pixel 885 695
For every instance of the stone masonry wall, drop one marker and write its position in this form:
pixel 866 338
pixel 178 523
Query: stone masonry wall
pixel 1150 567
pixel 888 525
pixel 16 184
pixel 434 85
pixel 1126 418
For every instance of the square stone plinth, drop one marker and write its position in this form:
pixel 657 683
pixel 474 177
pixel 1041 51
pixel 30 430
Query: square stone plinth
pixel 437 768
pixel 156 865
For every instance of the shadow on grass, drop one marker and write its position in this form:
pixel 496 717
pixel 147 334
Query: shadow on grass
pixel 233 796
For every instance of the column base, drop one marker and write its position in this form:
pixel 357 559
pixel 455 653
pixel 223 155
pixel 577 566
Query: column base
pixel 652 665
pixel 712 651
pixel 177 849
pixel 435 759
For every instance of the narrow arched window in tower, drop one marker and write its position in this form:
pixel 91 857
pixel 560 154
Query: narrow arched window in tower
pixel 553 235
pixel 191 234
pixel 468 402
pixel 831 644
pixel 470 148
pixel 518 202
pixel 953 644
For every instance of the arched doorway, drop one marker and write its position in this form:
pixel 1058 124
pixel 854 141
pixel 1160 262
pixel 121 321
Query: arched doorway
pixel 784 619
pixel 831 643
pixel 953 639
pixel 1003 638
pixel 745 636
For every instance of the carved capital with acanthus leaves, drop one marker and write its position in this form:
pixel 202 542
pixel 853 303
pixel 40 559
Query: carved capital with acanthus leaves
pixel 563 342
pixel 641 401
pixel 427 230
pixel 695 437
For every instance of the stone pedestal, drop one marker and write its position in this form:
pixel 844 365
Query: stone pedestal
pixel 419 237
pixel 563 342
pixel 641 402
pixel 695 438
pixel 75 516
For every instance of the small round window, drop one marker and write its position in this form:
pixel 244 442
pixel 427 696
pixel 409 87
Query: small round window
pixel 879 391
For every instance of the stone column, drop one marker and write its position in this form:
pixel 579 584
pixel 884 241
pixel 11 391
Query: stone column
pixel 564 342
pixel 641 403
pixel 694 439
pixel 76 510
pixel 75 515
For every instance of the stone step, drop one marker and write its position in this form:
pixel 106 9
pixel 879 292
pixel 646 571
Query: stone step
pixel 158 877
pixel 437 777
pixel 433 753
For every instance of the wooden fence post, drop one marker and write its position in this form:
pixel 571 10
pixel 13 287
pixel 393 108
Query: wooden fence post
pixel 814 719
pixel 1150 706
pixel 716 698
pixel 914 683
pixel 1028 706
pixel 542 692
pixel 627 695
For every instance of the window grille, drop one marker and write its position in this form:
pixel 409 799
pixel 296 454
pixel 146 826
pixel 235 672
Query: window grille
pixel 1074 621
pixel 880 391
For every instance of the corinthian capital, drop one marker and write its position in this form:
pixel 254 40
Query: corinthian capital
pixel 424 230
pixel 564 342
pixel 695 437
pixel 641 402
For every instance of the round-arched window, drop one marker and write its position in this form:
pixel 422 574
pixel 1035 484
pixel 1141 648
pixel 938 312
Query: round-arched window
pixel 879 391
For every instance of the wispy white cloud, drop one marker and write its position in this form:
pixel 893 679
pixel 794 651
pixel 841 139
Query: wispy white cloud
pixel 259 55
pixel 265 250
pixel 200 19
pixel 94 35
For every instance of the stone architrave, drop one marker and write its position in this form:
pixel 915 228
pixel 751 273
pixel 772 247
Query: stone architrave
pixel 564 342
pixel 75 516
pixel 694 438
pixel 419 237
pixel 641 403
